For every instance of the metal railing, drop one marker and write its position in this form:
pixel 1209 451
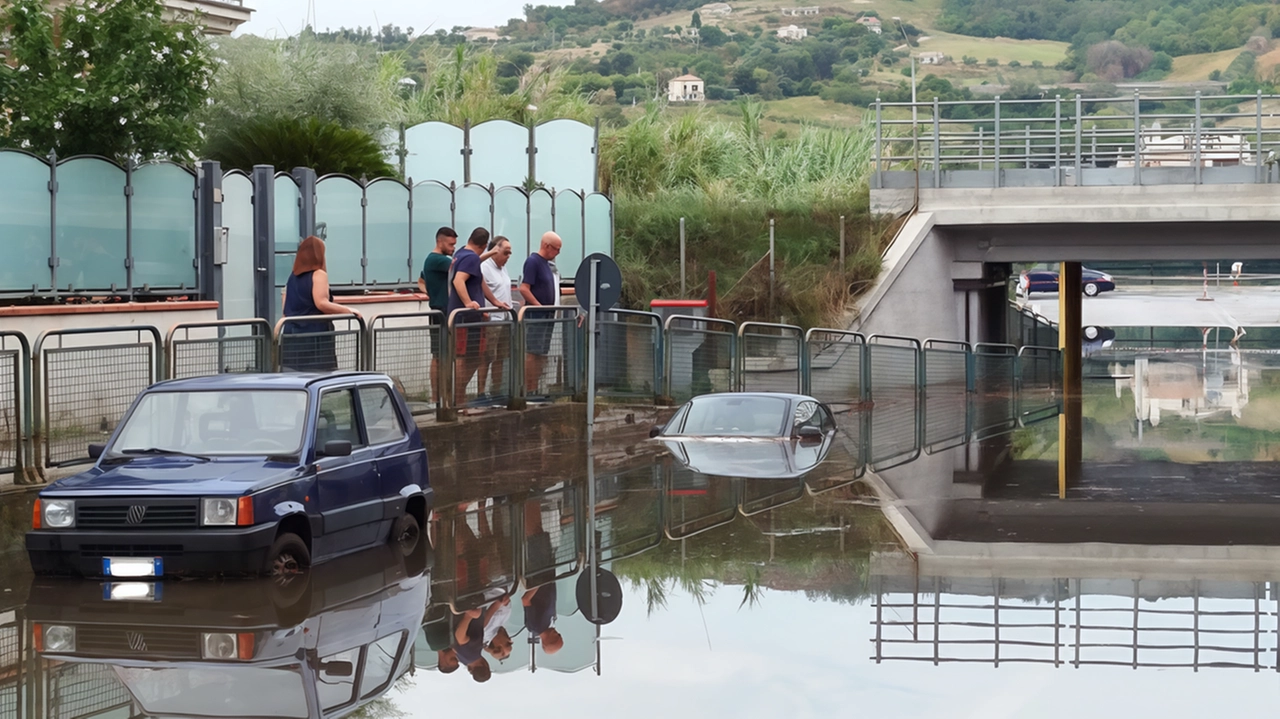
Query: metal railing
pixel 769 357
pixel 313 348
pixel 947 380
pixel 235 346
pixel 995 372
pixel 701 356
pixel 1054 142
pixel 629 356
pixel 552 351
pixel 408 347
pixel 83 388
pixel 835 366
pixel 1039 385
pixel 15 398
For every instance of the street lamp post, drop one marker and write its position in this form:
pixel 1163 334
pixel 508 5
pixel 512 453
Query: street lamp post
pixel 915 120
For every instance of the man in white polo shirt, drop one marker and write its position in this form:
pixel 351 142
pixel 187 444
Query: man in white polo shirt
pixel 498 346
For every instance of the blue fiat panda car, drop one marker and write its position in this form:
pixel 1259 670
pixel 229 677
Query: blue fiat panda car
pixel 253 474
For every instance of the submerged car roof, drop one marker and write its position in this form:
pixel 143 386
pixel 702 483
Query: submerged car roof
pixel 775 395
pixel 292 380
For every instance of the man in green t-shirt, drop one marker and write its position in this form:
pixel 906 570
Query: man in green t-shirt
pixel 434 282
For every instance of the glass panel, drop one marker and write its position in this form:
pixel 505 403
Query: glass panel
pixel 473 204
pixel 434 153
pixel 164 226
pixel 499 153
pixel 91 225
pixel 431 211
pixel 24 222
pixel 565 160
pixel 237 274
pixel 511 219
pixel 539 222
pixel 338 202
pixel 599 224
pixel 381 419
pixel 337 419
pixel 380 660
pixel 337 688
pixel 287 196
pixel 387 233
pixel 569 227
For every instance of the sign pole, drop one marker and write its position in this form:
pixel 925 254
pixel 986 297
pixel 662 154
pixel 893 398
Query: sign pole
pixel 591 353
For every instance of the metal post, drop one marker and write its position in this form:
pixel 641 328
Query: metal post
pixel 1257 161
pixel 466 151
pixel 996 139
pixel 937 146
pixel 1026 156
pixel 209 232
pixel 842 242
pixel 591 370
pixel 982 145
pixel 1079 138
pixel 772 263
pixel 595 156
pixel 1137 138
pixel 264 241
pixel 1197 163
pixel 306 179
pixel 53 221
pixel 682 259
pixel 1057 140
pixel 128 228
pixel 532 151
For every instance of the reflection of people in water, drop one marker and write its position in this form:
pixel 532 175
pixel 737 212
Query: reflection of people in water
pixel 468 640
pixel 496 639
pixel 540 600
pixel 485 561
pixel 437 630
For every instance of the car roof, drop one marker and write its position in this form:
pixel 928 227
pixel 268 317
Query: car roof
pixel 278 381
pixel 775 395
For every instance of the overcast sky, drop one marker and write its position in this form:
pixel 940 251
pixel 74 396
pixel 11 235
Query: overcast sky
pixel 279 18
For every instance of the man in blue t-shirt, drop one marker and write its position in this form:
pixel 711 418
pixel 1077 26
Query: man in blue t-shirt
pixel 467 290
pixel 538 288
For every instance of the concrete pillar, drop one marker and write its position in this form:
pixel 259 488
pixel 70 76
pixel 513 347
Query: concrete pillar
pixel 1070 422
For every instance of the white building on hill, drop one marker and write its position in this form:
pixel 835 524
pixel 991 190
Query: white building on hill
pixel 791 32
pixel 687 88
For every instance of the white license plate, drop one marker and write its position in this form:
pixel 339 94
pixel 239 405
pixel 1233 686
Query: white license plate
pixel 132 566
pixel 131 591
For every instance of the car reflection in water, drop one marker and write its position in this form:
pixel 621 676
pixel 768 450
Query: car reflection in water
pixel 318 647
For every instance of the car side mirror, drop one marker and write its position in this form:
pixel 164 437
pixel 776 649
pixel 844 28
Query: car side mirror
pixel 336 448
pixel 338 669
pixel 655 430
pixel 97 450
pixel 809 432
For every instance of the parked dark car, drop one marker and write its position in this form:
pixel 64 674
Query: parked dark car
pixel 1092 282
pixel 332 641
pixel 744 415
pixel 239 474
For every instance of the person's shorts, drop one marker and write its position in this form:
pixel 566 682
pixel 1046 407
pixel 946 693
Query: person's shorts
pixel 470 341
pixel 437 331
pixel 498 342
pixel 537 338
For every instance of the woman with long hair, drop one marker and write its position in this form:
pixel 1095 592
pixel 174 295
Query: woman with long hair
pixel 309 346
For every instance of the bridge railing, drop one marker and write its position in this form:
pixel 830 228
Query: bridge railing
pixel 77 383
pixel 1077 141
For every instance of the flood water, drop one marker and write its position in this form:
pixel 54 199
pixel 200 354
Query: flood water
pixel 920 564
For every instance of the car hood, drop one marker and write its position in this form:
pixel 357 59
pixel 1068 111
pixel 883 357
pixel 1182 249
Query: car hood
pixel 176 475
pixel 748 458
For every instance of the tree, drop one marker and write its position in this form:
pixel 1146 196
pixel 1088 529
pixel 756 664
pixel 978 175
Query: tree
pixel 115 80
pixel 326 147
pixel 696 21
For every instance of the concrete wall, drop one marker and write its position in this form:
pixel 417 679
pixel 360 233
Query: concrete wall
pixel 914 295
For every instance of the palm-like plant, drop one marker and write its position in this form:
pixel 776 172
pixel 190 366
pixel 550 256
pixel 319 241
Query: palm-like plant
pixel 285 143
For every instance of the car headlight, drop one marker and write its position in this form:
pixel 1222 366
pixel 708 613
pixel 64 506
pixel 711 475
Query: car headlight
pixel 59 513
pixel 218 512
pixel 59 638
pixel 219 646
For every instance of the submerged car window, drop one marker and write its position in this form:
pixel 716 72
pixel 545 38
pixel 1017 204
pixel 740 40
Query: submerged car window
pixel 337 679
pixel 217 691
pixel 736 416
pixel 380 660
pixel 216 422
pixel 381 420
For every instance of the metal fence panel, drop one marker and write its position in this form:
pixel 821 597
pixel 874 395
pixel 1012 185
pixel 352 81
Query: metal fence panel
pixel 700 356
pixel 78 691
pixel 85 388
pixel 894 387
pixel 481 543
pixel 225 347
pixel 407 347
pixel 552 342
pixel 946 390
pixel 769 357
pixel 994 370
pixel 835 360
pixel 697 502
pixel 638 529
pixel 629 355
pixel 1039 380
pixel 11 660
pixel 553 543
pixel 304 345
pixel 483 358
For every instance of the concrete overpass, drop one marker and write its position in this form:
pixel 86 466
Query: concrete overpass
pixel 1083 180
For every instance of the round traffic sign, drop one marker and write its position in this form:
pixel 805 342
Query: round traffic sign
pixel 608 596
pixel 608 282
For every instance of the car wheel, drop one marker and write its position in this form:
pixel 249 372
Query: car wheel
pixel 1091 289
pixel 406 533
pixel 288 557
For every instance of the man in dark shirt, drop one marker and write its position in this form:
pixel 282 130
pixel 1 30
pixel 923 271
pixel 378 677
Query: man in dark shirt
pixel 434 283
pixel 540 601
pixel 538 288
pixel 467 290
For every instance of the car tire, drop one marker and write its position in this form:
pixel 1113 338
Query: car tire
pixel 1091 289
pixel 406 534
pixel 288 557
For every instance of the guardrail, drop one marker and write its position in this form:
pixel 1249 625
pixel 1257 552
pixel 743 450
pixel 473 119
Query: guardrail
pixel 76 383
pixel 1054 142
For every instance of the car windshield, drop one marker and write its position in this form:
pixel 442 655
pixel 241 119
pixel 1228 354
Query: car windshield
pixel 244 422
pixel 217 691
pixel 736 416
